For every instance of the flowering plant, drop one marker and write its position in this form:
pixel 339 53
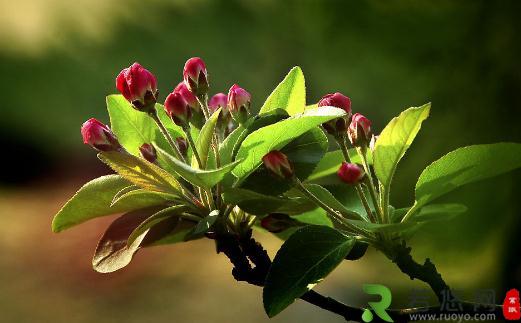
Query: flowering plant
pixel 199 167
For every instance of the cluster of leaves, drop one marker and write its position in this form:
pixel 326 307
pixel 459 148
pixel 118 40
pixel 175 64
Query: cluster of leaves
pixel 153 197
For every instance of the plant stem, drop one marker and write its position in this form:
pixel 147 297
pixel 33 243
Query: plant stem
pixel 191 142
pixel 334 214
pixel 343 146
pixel 202 100
pixel 380 209
pixel 167 135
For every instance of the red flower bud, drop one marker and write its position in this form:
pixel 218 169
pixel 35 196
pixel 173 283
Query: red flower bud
pixel 177 108
pixel 350 173
pixel 337 100
pixel 148 152
pixel 188 96
pixel 99 136
pixel 337 126
pixel 239 101
pixel 359 131
pixel 277 222
pixel 218 101
pixel 278 164
pixel 195 76
pixel 138 86
pixel 182 145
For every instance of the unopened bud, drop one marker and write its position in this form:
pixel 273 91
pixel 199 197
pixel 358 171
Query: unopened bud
pixel 195 76
pixel 148 152
pixel 138 86
pixel 182 145
pixel 239 101
pixel 337 126
pixel 277 222
pixel 99 136
pixel 350 173
pixel 359 131
pixel 279 164
pixel 178 110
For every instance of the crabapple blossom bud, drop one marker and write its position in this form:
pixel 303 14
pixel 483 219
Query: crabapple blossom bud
pixel 337 126
pixel 99 136
pixel 195 76
pixel 359 131
pixel 138 86
pixel 350 173
pixel 188 96
pixel 148 152
pixel 217 101
pixel 177 108
pixel 239 101
pixel 277 222
pixel 182 145
pixel 279 164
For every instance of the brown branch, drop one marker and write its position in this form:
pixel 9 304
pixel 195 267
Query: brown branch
pixel 245 251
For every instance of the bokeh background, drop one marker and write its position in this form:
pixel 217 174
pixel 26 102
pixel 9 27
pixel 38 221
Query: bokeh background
pixel 58 60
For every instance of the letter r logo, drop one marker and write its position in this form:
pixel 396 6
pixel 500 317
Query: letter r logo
pixel 378 307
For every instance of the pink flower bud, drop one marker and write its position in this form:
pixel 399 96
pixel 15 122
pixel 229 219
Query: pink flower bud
pixel 278 164
pixel 350 173
pixel 337 100
pixel 359 131
pixel 195 76
pixel 148 152
pixel 99 136
pixel 177 108
pixel 239 101
pixel 218 101
pixel 188 96
pixel 337 126
pixel 182 145
pixel 138 86
pixel 277 222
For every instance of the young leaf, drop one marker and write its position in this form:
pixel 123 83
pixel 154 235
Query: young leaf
pixel 205 224
pixel 134 128
pixel 140 172
pixel 112 252
pixel 434 212
pixel 260 204
pixel 463 166
pixel 152 198
pixel 93 200
pixel 304 260
pixel 289 95
pixel 204 141
pixel 202 178
pixel 394 141
pixel 169 212
pixel 278 135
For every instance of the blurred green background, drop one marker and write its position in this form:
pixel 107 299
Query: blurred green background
pixel 59 59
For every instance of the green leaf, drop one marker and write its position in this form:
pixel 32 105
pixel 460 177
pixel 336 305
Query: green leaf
pixel 141 172
pixel 260 204
pixel 304 153
pixel 201 178
pixel 205 224
pixel 158 217
pixel 151 198
pixel 204 140
pixel 93 200
pixel 434 212
pixel 332 160
pixel 289 95
pixel 133 128
pixel 278 135
pixel 325 196
pixel 178 234
pixel 394 141
pixel 379 227
pixel 463 166
pixel 308 256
